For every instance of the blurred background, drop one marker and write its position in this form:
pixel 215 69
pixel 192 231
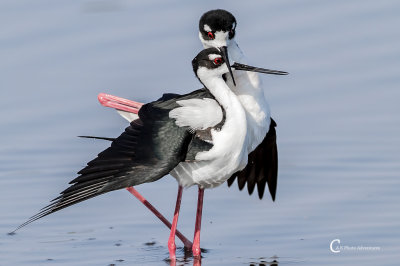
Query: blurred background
pixel 338 117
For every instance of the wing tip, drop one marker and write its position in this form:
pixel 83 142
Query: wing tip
pixel 94 137
pixel 273 197
pixel 231 180
pixel 250 188
pixel 260 189
pixel 35 217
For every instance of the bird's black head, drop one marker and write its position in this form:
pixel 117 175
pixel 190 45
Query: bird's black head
pixel 215 27
pixel 212 62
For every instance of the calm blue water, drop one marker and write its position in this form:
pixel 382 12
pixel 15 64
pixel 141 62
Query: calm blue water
pixel 338 130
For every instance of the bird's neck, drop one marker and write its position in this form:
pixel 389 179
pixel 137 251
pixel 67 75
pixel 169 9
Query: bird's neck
pixel 222 93
pixel 250 93
pixel 231 141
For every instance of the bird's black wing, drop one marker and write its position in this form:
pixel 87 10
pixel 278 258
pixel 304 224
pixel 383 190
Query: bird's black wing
pixel 262 166
pixel 148 150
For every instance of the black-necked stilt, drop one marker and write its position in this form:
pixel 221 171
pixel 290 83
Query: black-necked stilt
pixel 217 28
pixel 200 138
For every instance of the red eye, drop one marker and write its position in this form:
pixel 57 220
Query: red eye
pixel 218 61
pixel 210 35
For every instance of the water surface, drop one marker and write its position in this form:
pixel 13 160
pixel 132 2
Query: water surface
pixel 338 130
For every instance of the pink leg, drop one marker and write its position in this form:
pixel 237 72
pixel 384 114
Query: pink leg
pixel 171 240
pixel 197 261
pixel 134 192
pixel 119 103
pixel 134 107
pixel 196 241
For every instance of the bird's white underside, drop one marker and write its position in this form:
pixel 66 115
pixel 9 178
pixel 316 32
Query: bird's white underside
pixel 228 154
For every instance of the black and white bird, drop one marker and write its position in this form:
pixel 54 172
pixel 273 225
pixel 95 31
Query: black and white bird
pixel 217 28
pixel 201 138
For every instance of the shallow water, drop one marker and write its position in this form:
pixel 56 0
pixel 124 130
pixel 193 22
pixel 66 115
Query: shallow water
pixel 338 131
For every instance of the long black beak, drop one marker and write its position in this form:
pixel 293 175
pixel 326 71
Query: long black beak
pixel 224 52
pixel 238 66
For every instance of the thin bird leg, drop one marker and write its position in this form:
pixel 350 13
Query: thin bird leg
pixel 186 242
pixel 197 261
pixel 171 240
pixel 119 103
pixel 196 241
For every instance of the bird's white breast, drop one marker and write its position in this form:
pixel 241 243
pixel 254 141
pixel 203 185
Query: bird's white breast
pixel 251 95
pixel 228 154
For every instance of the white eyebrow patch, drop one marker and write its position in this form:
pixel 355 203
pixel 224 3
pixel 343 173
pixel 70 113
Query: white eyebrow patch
pixel 233 25
pixel 213 56
pixel 207 28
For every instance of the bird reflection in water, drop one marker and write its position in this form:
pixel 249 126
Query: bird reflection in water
pixel 188 259
pixel 274 262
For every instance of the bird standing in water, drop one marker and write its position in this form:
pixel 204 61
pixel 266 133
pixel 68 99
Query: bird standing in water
pixel 200 138
pixel 217 28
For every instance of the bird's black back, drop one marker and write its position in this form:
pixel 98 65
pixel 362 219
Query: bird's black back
pixel 146 151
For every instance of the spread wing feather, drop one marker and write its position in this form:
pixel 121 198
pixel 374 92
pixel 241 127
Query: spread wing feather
pixel 146 151
pixel 262 167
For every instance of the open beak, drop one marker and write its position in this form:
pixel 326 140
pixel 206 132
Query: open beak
pixel 224 52
pixel 238 66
